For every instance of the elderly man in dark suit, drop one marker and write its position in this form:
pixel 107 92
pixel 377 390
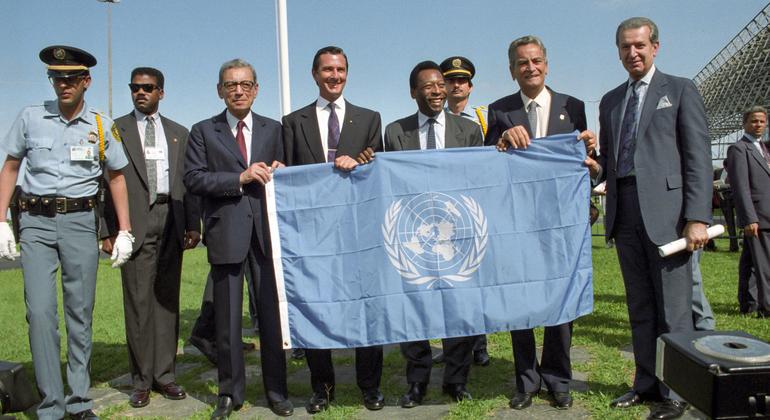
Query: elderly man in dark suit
pixel 654 154
pixel 331 129
pixel 165 221
pixel 229 159
pixel 433 128
pixel 537 111
pixel 748 170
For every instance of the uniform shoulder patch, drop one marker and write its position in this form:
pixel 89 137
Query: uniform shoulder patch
pixel 116 132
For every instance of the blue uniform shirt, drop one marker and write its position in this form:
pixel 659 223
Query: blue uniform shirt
pixel 48 143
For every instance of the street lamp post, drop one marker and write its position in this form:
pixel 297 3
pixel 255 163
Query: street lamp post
pixel 109 52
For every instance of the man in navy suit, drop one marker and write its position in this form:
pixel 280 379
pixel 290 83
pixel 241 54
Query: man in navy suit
pixel 748 170
pixel 229 159
pixel 532 112
pixel 656 158
pixel 333 130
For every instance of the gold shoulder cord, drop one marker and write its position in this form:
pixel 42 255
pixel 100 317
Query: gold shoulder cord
pixel 481 121
pixel 101 136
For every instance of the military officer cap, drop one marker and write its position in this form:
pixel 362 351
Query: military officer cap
pixel 64 61
pixel 457 66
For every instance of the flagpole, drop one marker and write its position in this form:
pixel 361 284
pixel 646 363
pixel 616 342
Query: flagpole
pixel 283 57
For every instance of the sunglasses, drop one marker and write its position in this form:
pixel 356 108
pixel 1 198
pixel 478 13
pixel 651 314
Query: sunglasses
pixel 147 87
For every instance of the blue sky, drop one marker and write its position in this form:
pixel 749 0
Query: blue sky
pixel 189 39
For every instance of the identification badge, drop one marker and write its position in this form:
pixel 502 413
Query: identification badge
pixel 154 153
pixel 81 153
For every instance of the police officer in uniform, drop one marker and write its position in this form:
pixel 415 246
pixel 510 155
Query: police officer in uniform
pixel 458 73
pixel 60 142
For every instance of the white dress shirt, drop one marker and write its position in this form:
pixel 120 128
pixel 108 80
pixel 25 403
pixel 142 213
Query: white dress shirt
pixel 543 101
pixel 438 128
pixel 161 165
pixel 322 112
pixel 232 121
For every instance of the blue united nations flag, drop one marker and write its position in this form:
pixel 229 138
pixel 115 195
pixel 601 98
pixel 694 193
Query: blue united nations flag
pixel 432 244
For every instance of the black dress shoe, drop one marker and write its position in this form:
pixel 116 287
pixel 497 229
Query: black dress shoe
pixel 373 400
pixel 414 396
pixel 521 400
pixel 139 398
pixel 206 347
pixel 320 400
pixel 457 392
pixel 224 408
pixel 84 415
pixel 629 399
pixel 481 357
pixel 171 391
pixel 298 354
pixel 668 409
pixel 562 400
pixel 438 358
pixel 283 408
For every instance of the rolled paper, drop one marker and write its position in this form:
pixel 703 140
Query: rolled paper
pixel 680 244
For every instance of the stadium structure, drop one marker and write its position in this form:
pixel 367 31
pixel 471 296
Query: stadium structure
pixel 735 79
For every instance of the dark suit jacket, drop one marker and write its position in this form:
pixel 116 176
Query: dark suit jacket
pixel 566 115
pixel 213 166
pixel 672 159
pixel 749 178
pixel 404 134
pixel 302 140
pixel 184 210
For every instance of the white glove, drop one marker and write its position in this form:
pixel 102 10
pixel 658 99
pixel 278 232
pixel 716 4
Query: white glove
pixel 7 243
pixel 122 248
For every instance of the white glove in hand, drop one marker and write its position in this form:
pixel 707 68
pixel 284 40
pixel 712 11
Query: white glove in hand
pixel 7 243
pixel 121 250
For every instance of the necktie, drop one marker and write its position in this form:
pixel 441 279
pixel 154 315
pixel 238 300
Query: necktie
pixel 431 143
pixel 628 134
pixel 333 138
pixel 152 167
pixel 765 152
pixel 532 116
pixel 241 140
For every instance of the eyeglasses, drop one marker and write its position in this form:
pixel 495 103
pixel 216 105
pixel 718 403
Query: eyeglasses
pixel 232 85
pixel 147 87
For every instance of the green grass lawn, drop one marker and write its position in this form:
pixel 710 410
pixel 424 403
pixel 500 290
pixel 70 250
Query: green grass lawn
pixel 602 333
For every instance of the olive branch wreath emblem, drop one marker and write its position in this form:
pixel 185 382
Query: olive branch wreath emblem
pixel 409 271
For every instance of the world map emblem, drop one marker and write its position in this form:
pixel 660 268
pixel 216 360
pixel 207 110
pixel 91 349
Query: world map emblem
pixel 435 237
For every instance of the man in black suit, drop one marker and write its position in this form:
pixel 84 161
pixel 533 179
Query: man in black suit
pixel 229 159
pixel 656 159
pixel 165 221
pixel 333 130
pixel 748 170
pixel 536 111
pixel 432 128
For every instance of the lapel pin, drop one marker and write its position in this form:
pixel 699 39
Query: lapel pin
pixel 174 139
pixel 561 117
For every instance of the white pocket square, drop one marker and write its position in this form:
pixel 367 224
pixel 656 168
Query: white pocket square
pixel 663 103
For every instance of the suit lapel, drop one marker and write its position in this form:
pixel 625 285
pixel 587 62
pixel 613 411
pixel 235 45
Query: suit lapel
pixel 309 125
pixel 556 113
pixel 256 145
pixel 452 132
pixel 172 145
pixel 349 128
pixel 756 154
pixel 227 138
pixel 517 115
pixel 134 149
pixel 616 108
pixel 412 134
pixel 654 92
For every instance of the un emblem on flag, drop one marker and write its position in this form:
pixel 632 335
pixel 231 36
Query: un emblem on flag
pixel 434 236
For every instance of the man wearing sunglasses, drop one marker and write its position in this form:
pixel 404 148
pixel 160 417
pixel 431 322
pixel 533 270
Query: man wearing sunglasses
pixel 59 142
pixel 166 221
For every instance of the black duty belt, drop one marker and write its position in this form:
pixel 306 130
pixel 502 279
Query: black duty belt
pixel 50 206
pixel 162 199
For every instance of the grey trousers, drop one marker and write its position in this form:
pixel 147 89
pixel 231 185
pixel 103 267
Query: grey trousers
pixel 702 315
pixel 66 240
